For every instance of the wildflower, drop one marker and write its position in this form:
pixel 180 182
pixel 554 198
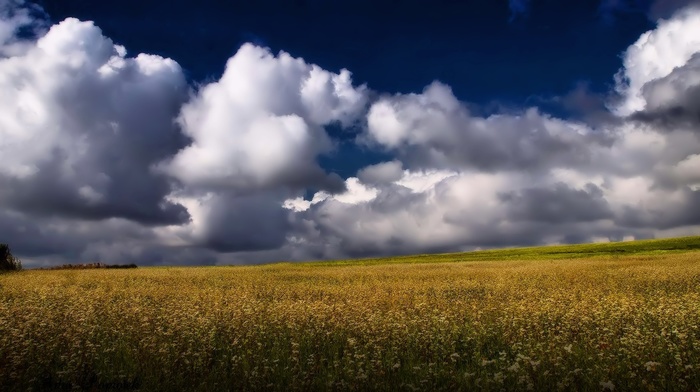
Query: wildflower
pixel 498 377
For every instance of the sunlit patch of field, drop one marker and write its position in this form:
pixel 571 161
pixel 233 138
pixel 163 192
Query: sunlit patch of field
pixel 588 317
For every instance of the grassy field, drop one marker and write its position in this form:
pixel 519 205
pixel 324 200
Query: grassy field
pixel 590 317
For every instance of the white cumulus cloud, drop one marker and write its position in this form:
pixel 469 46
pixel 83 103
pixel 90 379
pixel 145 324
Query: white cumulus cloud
pixel 261 125
pixel 655 55
pixel 81 125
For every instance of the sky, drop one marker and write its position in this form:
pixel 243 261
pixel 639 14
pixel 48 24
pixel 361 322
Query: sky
pixel 241 132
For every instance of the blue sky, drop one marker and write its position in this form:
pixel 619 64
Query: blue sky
pixel 393 46
pixel 203 132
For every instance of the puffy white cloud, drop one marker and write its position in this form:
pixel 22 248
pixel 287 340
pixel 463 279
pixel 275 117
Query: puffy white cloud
pixel 434 130
pixel 81 125
pixel 655 55
pixel 260 125
pixel 256 135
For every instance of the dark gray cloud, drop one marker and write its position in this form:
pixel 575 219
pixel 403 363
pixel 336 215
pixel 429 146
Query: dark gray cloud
pixel 381 173
pixel 558 203
pixel 682 210
pixel 673 101
pixel 59 240
pixel 588 106
pixel 245 223
pixel 29 238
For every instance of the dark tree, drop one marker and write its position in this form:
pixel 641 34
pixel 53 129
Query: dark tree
pixel 8 262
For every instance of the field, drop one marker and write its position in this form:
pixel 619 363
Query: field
pixel 622 316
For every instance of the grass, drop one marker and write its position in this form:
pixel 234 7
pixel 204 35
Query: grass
pixel 584 317
pixel 553 252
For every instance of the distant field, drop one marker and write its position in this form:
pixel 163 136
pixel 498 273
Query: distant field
pixel 643 247
pixel 585 317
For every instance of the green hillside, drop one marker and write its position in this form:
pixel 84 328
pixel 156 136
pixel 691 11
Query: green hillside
pixel 552 252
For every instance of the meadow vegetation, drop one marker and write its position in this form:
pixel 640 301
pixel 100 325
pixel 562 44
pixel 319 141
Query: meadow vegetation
pixel 593 317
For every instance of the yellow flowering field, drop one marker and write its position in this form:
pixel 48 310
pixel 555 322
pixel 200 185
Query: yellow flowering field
pixel 584 318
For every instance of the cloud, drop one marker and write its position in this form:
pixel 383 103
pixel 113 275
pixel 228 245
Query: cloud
pixel 558 203
pixel 81 125
pixel 228 222
pixel 666 209
pixel 435 130
pixel 19 24
pixel 381 173
pixel 460 181
pixel 256 135
pixel 432 211
pixel 655 55
pixel 115 158
pixel 90 135
pixel 261 125
pixel 674 100
pixel 56 240
pixel 585 105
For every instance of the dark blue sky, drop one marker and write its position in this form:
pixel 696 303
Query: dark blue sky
pixel 484 52
pixel 393 45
